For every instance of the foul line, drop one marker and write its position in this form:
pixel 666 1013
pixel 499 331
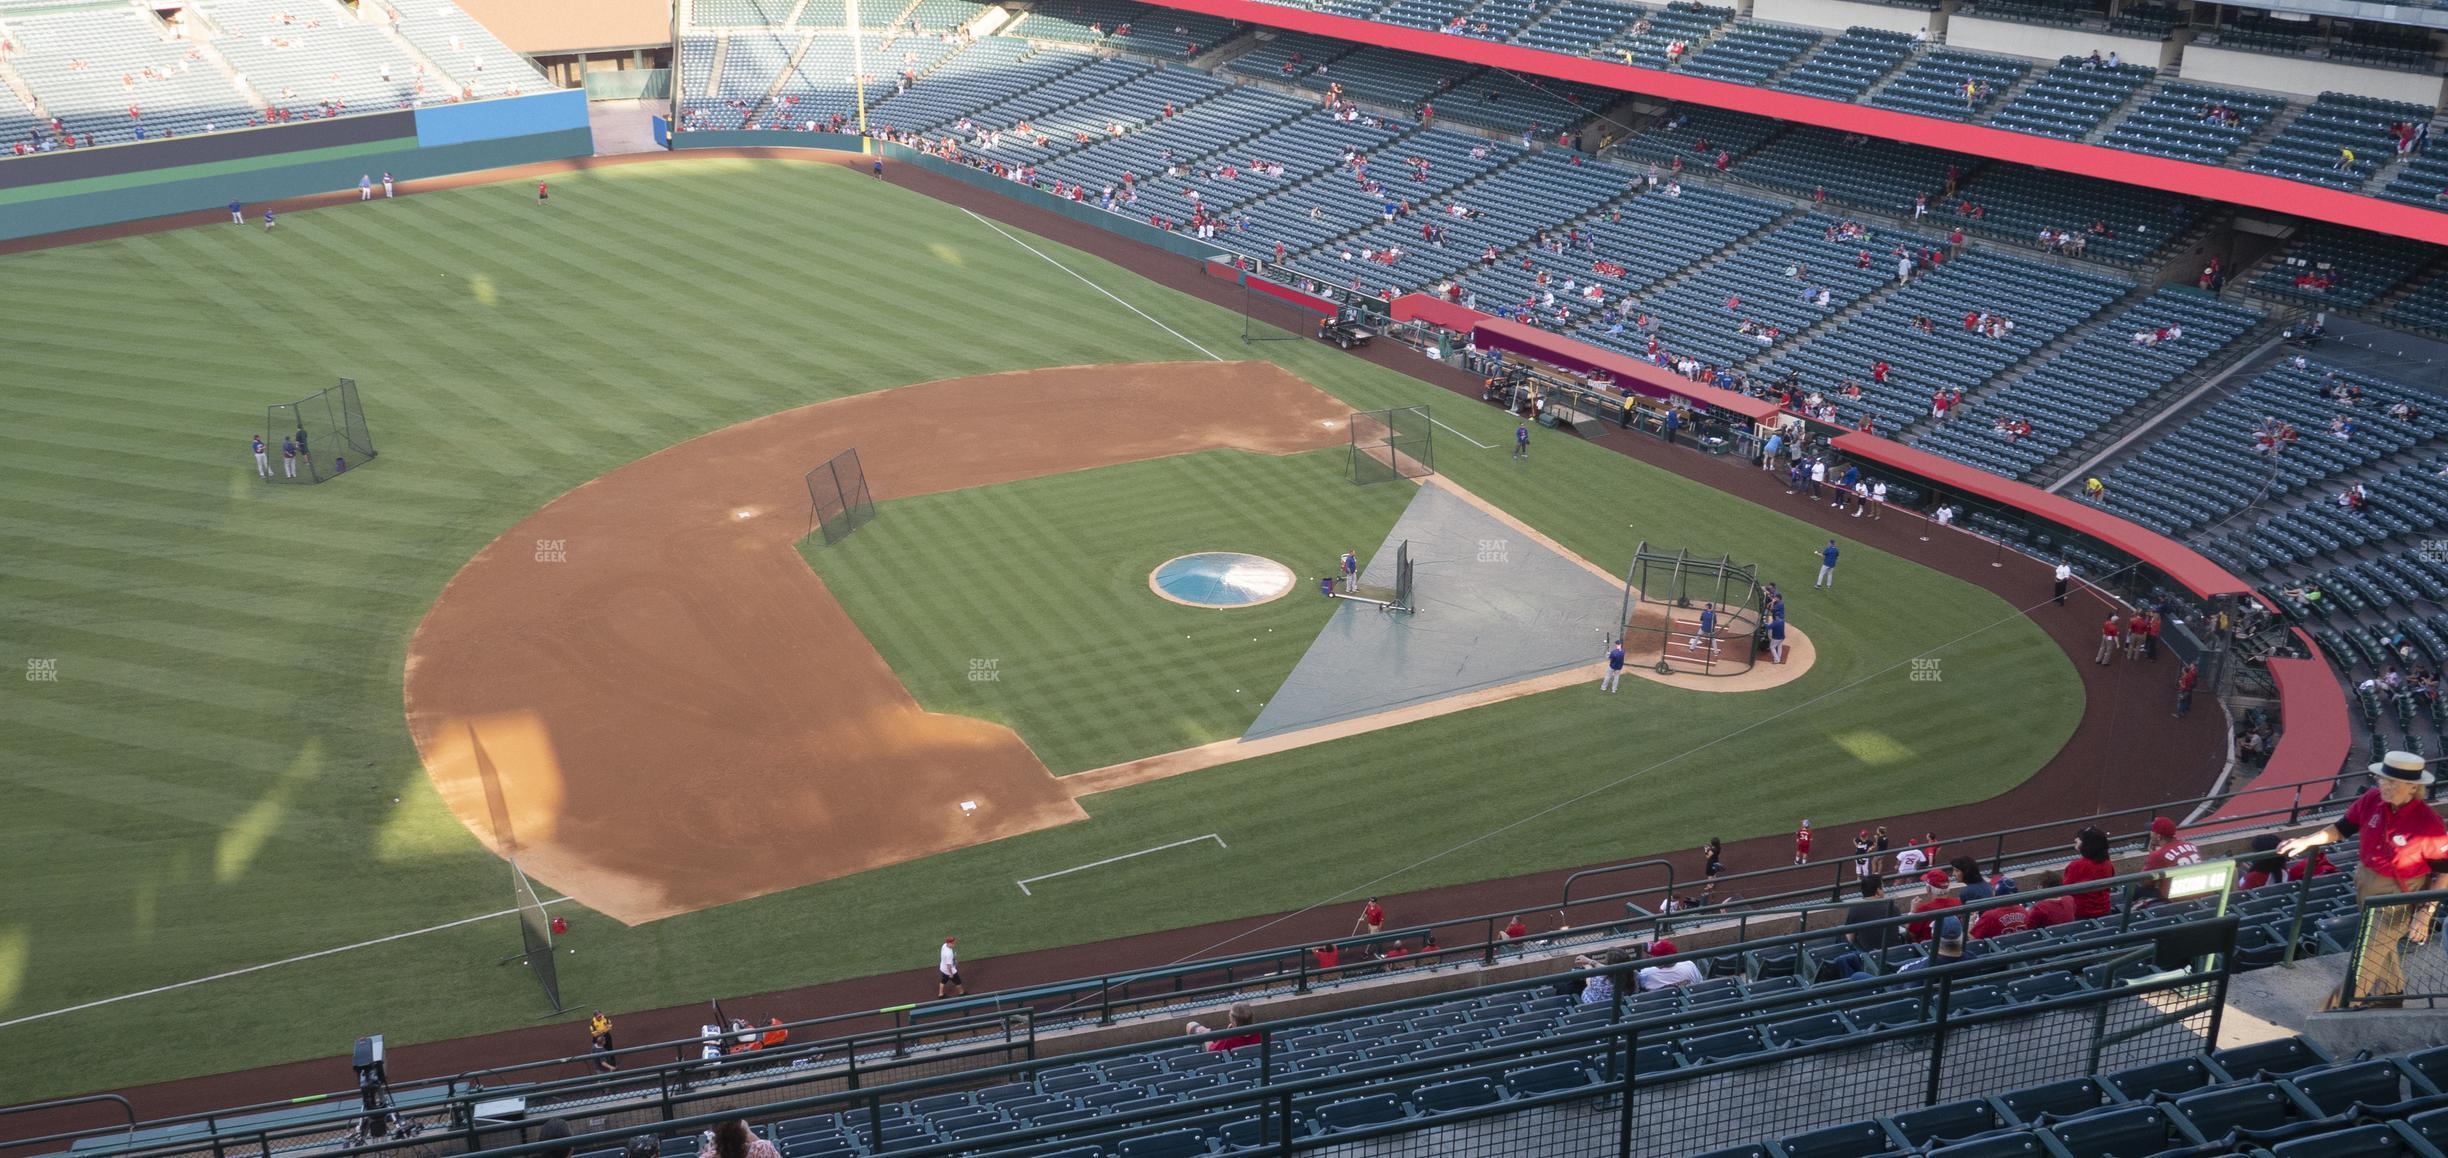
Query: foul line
pixel 1098 288
pixel 1024 885
pixel 14 1021
pixel 1464 437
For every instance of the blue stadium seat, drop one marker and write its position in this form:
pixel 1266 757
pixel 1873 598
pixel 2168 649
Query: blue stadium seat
pixel 2276 1058
pixel 2011 1144
pixel 1460 1094
pixel 2379 1140
pixel 1546 1079
pixel 2121 1130
pixel 1950 1121
pixel 2176 1076
pixel 1851 1140
pixel 1356 1113
pixel 2054 1100
pixel 2255 1106
pixel 1170 1144
pixel 2337 1089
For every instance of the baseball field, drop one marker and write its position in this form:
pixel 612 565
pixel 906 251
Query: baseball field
pixel 571 612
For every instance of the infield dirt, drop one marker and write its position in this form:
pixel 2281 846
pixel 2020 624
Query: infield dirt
pixel 644 695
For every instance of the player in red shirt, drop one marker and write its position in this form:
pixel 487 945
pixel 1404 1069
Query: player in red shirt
pixel 2168 851
pixel 1802 842
pixel 2091 863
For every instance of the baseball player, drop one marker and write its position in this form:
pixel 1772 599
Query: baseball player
pixel 1615 662
pixel 1351 570
pixel 263 461
pixel 237 213
pixel 1521 442
pixel 288 458
pixel 387 186
pixel 365 186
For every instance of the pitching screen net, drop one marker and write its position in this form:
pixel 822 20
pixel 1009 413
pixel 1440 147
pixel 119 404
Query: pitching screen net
pixel 327 430
pixel 535 937
pixel 1392 444
pixel 838 502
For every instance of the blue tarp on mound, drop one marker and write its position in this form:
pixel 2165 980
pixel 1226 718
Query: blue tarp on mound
pixel 1494 607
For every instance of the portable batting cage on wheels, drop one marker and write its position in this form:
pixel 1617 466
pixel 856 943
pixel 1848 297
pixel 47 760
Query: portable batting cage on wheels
pixel 319 437
pixel 838 502
pixel 1391 444
pixel 1693 613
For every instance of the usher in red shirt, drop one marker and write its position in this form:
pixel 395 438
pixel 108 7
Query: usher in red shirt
pixel 2398 843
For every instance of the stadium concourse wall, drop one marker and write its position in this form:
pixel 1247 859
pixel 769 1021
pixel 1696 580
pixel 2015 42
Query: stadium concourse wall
pixel 81 188
pixel 2213 182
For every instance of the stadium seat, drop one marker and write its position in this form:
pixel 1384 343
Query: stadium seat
pixel 1355 1113
pixel 1460 1094
pixel 2337 1089
pixel 1951 1121
pixel 1546 1079
pixel 2379 1140
pixel 1851 1140
pixel 2275 1058
pixel 2121 1130
pixel 1170 1144
pixel 2010 1144
pixel 2168 1078
pixel 2255 1106
pixel 2056 1100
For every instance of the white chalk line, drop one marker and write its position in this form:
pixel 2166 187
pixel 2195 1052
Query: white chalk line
pixel 14 1021
pixel 1024 885
pixel 1464 437
pixel 1098 288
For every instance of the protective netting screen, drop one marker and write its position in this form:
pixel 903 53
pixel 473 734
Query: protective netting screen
pixel 838 502
pixel 535 937
pixel 1392 444
pixel 318 437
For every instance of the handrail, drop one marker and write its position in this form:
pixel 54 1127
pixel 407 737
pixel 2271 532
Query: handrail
pixel 1661 862
pixel 2369 917
pixel 1282 964
pixel 125 1107
pixel 1277 1082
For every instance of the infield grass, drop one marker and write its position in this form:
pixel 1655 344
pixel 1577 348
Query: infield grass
pixel 216 772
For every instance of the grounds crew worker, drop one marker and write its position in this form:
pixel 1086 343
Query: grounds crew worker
pixel 2403 846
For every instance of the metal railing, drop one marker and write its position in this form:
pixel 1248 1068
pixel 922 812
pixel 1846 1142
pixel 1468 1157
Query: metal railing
pixel 1640 1081
pixel 2396 957
pixel 471 1107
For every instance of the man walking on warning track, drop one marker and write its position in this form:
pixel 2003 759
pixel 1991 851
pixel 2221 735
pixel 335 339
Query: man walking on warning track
pixel 1615 662
pixel 947 971
pixel 1827 566
pixel 2065 574
pixel 1521 442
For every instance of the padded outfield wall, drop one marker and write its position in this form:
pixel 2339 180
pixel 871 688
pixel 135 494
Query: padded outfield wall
pixel 79 188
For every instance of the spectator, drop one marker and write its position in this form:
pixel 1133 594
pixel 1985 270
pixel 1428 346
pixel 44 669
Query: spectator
pixel 1240 1017
pixel 732 1140
pixel 1599 988
pixel 1515 931
pixel 2057 910
pixel 642 1146
pixel 1667 976
pixel 1873 906
pixel 1327 957
pixel 1948 951
pixel 558 1130
pixel 2167 850
pixel 2403 849
pixel 2090 863
pixel 1968 879
pixel 1941 896
pixel 2265 865
pixel 2000 920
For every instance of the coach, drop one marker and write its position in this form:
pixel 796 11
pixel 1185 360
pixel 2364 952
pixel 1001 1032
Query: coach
pixel 2403 846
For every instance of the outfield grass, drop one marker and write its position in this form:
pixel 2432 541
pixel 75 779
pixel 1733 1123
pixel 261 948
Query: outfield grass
pixel 1047 581
pixel 221 774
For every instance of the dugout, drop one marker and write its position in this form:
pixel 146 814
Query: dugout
pixel 1665 600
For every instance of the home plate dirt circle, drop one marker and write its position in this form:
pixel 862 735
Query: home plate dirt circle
pixel 644 676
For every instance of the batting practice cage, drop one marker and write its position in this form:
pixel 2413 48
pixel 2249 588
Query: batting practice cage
pixel 328 430
pixel 837 497
pixel 535 938
pixel 1667 596
pixel 1391 444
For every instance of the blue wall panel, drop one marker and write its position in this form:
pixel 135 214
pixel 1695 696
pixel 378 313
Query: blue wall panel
pixel 524 116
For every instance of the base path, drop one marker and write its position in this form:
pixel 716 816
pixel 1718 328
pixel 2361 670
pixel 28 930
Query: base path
pixel 644 677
